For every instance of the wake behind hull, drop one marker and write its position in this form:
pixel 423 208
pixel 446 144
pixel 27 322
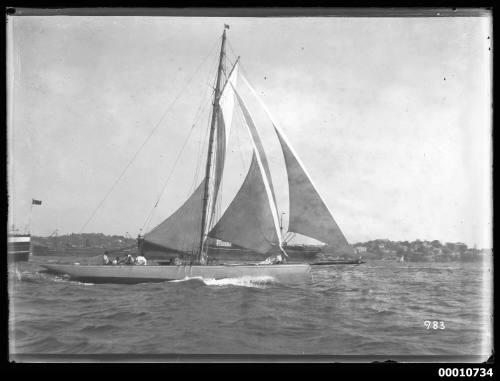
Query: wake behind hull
pixel 288 273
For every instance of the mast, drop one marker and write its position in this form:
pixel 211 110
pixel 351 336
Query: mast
pixel 281 224
pixel 215 109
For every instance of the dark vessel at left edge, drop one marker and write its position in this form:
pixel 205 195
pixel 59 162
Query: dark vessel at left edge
pixel 18 247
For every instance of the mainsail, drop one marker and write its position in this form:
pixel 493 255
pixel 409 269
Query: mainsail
pixel 309 214
pixel 181 230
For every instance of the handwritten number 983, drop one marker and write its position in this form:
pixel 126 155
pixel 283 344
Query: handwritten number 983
pixel 434 324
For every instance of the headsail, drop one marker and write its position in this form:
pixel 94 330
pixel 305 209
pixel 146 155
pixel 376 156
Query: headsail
pixel 309 214
pixel 248 221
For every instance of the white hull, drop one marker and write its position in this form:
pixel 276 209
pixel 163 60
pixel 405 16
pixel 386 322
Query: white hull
pixel 142 274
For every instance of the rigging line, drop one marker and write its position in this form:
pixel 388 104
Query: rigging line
pixel 147 139
pixel 290 237
pixel 170 175
pixel 202 142
pixel 239 149
pixel 201 109
pixel 197 163
pixel 211 85
pixel 285 236
pixel 150 216
pixel 243 70
pixel 198 113
pixel 201 152
pixel 193 234
pixel 231 48
pixel 218 200
pixel 218 212
pixel 196 167
pixel 217 205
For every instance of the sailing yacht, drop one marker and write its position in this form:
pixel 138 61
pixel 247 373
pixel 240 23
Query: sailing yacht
pixel 250 221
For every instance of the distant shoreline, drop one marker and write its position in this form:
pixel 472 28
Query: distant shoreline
pixel 420 251
pixel 379 249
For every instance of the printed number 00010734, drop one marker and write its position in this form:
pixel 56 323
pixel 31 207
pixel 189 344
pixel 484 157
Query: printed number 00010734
pixel 467 372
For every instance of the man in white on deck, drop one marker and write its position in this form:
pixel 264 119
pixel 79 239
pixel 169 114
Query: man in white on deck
pixel 272 260
pixel 141 261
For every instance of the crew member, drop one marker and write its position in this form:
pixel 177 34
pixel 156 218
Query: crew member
pixel 141 261
pixel 129 260
pixel 105 260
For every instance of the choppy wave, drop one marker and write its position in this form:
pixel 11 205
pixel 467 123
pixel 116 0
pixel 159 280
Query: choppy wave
pixel 123 315
pixel 96 329
pixel 374 308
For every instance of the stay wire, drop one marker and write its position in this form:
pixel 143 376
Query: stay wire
pixel 148 220
pixel 198 113
pixel 147 139
pixel 150 216
pixel 203 137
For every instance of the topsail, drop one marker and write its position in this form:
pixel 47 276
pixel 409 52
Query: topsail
pixel 254 135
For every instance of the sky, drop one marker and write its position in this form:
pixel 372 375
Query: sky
pixel 390 116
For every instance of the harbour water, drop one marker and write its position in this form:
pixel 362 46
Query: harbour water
pixel 377 308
